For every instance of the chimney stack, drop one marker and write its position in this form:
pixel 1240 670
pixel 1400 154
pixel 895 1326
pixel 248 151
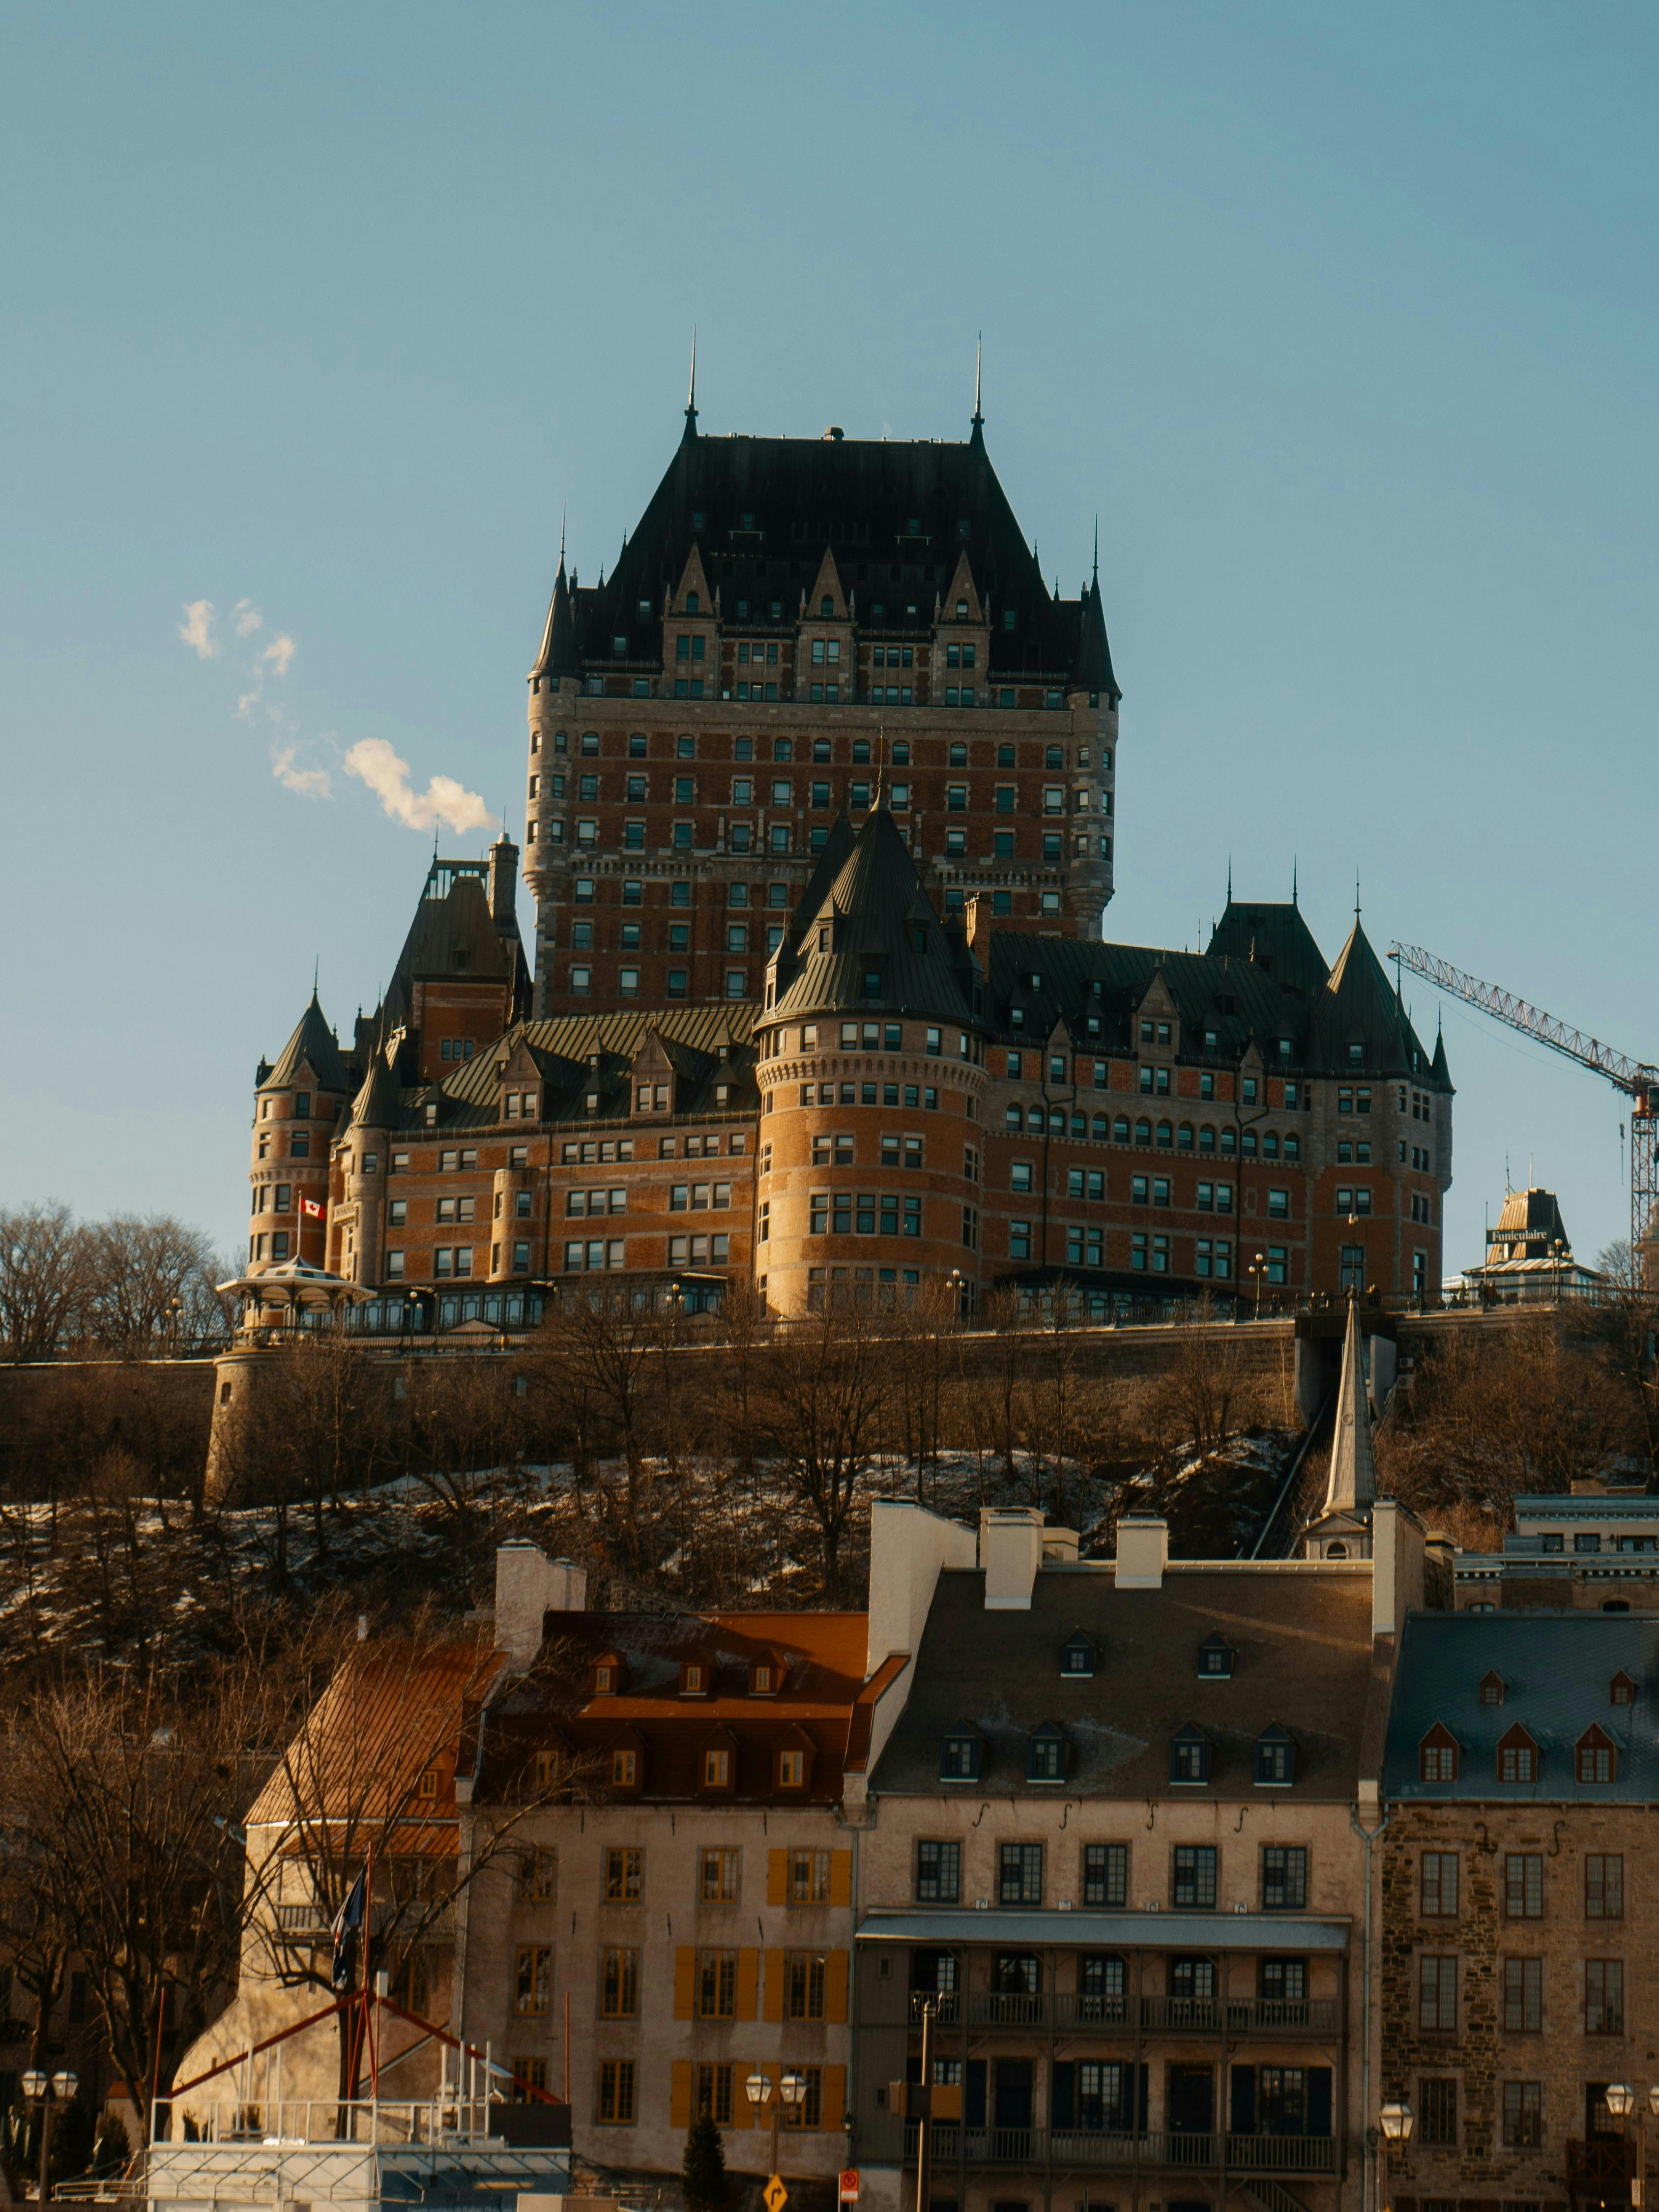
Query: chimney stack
pixel 503 881
pixel 1143 1551
pixel 529 1586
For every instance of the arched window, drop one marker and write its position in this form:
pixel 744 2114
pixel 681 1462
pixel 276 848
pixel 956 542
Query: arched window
pixel 1206 1138
pixel 1100 1129
pixel 1165 1136
pixel 1229 1141
pixel 1615 1604
pixel 1270 1146
pixel 1248 1144
pixel 1184 1137
pixel 1121 1130
pixel 1293 1146
pixel 1143 1133
pixel 1336 1551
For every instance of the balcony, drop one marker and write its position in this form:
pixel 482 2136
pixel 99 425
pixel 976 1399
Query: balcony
pixel 1088 2147
pixel 1074 2011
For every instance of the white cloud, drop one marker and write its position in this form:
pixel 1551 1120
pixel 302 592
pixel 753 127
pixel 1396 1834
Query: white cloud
pixel 278 655
pixel 307 782
pixel 247 618
pixel 375 763
pixel 196 629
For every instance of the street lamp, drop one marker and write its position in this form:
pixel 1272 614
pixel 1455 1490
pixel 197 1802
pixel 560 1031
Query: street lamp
pixel 1622 2101
pixel 1256 1270
pixel 46 2092
pixel 792 2091
pixel 1397 2120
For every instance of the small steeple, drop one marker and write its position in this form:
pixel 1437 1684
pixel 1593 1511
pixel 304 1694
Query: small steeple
pixel 976 435
pixel 691 394
pixel 558 656
pixel 1352 1484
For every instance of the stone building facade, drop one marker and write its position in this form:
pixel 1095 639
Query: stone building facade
pixel 820 1000
pixel 1519 1922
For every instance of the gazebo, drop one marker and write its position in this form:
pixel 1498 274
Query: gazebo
pixel 295 1287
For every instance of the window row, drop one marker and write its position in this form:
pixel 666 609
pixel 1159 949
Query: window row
pixel 1519 1757
pixel 1160 1136
pixel 1100 1873
pixel 823 750
pixel 1599 2002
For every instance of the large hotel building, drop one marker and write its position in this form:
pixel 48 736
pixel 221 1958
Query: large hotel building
pixel 820 821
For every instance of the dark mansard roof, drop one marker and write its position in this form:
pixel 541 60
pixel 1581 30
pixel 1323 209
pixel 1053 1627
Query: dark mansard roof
pixel 896 514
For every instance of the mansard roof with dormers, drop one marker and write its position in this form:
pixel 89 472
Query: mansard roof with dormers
pixel 894 517
pixel 1263 984
pixel 875 944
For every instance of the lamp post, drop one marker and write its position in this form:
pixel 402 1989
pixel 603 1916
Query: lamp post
pixel 1255 1271
pixel 45 2092
pixel 792 2091
pixel 1622 2101
pixel 1396 2119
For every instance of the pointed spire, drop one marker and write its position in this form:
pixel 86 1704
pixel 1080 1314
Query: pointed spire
pixel 691 393
pixel 558 655
pixel 1293 897
pixel 1352 1484
pixel 1096 573
pixel 1230 878
pixel 976 437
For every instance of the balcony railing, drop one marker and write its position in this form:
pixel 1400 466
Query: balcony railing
pixel 1093 2147
pixel 1070 2009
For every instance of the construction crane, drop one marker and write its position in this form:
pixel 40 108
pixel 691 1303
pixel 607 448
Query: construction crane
pixel 1637 1079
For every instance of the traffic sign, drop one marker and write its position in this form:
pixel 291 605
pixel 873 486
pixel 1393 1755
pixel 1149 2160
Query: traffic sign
pixel 775 2194
pixel 847 2192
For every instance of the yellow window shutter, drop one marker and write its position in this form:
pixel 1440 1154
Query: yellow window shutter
pixel 679 2095
pixel 841 1877
pixel 777 1877
pixel 836 1967
pixel 748 1985
pixel 835 2095
pixel 685 1983
pixel 743 2114
pixel 774 1971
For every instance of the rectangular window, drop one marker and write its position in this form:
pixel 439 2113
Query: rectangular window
pixel 715 2095
pixel 720 1871
pixel 938 1872
pixel 1106 1874
pixel 1604 1885
pixel 1019 1874
pixel 1604 1996
pixel 1284 1877
pixel 616 2102
pixel 1437 1892
pixel 625 1874
pixel 809 1877
pixel 1437 1995
pixel 1524 2115
pixel 1194 1877
pixel 1436 2109
pixel 1523 1995
pixel 1524 1885
pixel 532 1978
pixel 619 1984
pixel 805 1974
pixel 717 1984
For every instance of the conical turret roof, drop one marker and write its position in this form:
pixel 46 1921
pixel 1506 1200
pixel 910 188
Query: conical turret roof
pixel 1094 660
pixel 312 1045
pixel 558 656
pixel 875 944
pixel 1352 1484
pixel 378 1104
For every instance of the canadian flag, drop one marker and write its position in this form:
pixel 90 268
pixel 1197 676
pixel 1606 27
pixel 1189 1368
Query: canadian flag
pixel 310 1206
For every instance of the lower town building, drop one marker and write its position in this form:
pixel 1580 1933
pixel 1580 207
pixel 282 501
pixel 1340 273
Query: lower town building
pixel 1596 1548
pixel 1519 1921
pixel 1114 1842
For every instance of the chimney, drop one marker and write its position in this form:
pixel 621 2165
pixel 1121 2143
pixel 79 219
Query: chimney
pixel 1010 1552
pixel 528 1586
pixel 908 1545
pixel 1143 1551
pixel 979 931
pixel 503 881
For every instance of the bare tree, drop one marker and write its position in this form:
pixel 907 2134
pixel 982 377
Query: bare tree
pixel 151 1286
pixel 43 1279
pixel 825 1390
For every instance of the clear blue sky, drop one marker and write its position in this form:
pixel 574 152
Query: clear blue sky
pixel 1343 318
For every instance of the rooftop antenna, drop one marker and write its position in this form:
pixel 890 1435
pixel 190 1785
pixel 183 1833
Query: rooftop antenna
pixel 978 437
pixel 1230 878
pixel 1356 894
pixel 691 393
pixel 1097 548
pixel 563 511
pixel 316 971
pixel 1293 899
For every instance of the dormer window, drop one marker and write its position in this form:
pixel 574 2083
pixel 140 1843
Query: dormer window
pixel 765 1678
pixel 792 1770
pixel 716 1771
pixel 1492 1689
pixel 695 1679
pixel 624 1768
pixel 1622 1690
pixel 691 605
pixel 1437 1755
pixel 1517 1756
pixel 1215 1659
pixel 1189 1756
pixel 1077 1657
pixel 959 1756
pixel 1275 1759
pixel 609 1674
pixel 1598 1757
pixel 1046 1754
